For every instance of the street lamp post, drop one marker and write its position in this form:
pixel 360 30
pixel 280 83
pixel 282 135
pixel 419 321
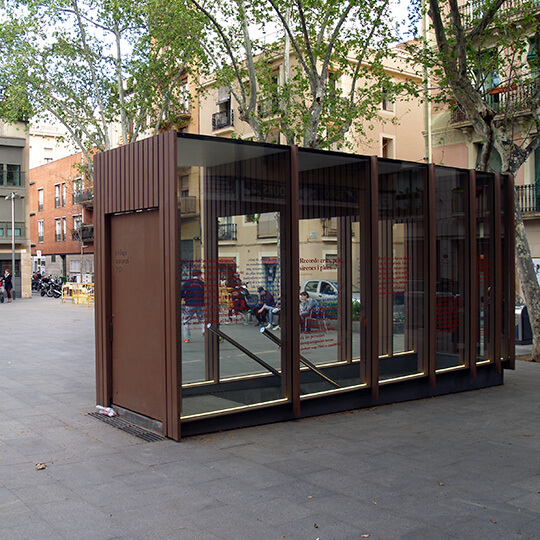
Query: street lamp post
pixel 13 196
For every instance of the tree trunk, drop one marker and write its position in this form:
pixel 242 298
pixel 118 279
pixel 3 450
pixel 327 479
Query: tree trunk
pixel 528 280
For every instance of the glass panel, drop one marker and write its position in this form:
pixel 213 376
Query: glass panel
pixel 484 203
pixel 508 298
pixel 402 302
pixel 231 274
pixel 332 202
pixel 13 177
pixel 451 204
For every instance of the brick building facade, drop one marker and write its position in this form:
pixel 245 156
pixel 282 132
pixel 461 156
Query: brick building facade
pixel 62 220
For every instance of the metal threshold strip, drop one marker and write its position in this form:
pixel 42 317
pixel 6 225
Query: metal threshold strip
pixel 128 427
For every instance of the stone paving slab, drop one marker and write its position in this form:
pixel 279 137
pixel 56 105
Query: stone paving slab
pixel 462 466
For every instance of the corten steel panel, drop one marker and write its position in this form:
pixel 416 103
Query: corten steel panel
pixel 372 308
pixel 137 313
pixel 430 272
pixel 124 184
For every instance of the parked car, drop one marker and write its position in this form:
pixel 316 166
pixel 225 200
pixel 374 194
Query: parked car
pixel 325 291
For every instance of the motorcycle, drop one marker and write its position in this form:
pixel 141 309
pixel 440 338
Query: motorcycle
pixel 51 288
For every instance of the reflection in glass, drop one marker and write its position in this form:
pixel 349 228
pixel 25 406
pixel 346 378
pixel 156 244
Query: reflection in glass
pixel 402 277
pixel 450 188
pixel 484 201
pixel 332 202
pixel 230 211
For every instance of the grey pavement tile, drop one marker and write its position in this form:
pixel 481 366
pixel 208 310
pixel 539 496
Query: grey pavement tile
pixel 24 474
pixel 530 529
pixel 160 524
pixel 530 501
pixel 41 494
pixel 296 467
pixel 323 527
pixel 188 472
pixel 531 483
pixel 30 531
pixel 6 496
pixel 76 520
pixel 428 533
pixel 36 447
pixel 251 473
pixel 298 490
pixel 15 513
pixel 231 522
pixel 277 512
pixel 233 491
pixel 257 453
pixel 476 528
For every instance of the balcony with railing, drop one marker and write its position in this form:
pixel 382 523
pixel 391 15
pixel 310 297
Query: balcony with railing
pixel 222 119
pixel 514 98
pixel 84 197
pixel 188 205
pixel 528 198
pixel 84 233
pixel 329 227
pixel 227 231
pixel 474 10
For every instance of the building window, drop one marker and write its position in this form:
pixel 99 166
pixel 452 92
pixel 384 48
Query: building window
pixel 387 148
pixel 267 225
pixel 64 229
pixel 57 196
pixel 64 194
pixel 75 266
pixel 41 231
pixel 13 176
pixel 40 200
pixel 224 116
pixel 53 258
pixel 58 230
pixel 184 96
pixel 387 103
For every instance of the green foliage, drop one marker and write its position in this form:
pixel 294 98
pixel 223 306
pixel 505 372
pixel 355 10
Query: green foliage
pixel 357 310
pixel 337 54
pixel 481 60
pixel 91 63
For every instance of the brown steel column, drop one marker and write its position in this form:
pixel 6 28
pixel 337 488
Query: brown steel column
pixel 497 269
pixel 290 253
pixel 471 270
pixel 372 259
pixel 171 280
pixel 102 168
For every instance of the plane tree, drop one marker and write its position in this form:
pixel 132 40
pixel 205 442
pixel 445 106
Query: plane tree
pixel 483 60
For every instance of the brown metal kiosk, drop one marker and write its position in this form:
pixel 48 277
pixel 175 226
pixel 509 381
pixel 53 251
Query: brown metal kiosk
pixel 203 245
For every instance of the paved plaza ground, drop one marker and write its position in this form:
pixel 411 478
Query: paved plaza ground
pixel 463 466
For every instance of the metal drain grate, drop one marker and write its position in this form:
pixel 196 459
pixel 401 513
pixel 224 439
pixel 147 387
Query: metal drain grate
pixel 128 427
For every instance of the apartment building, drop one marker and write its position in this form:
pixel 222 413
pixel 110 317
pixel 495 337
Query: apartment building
pixel 255 238
pixel 62 220
pixel 14 204
pixel 455 142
